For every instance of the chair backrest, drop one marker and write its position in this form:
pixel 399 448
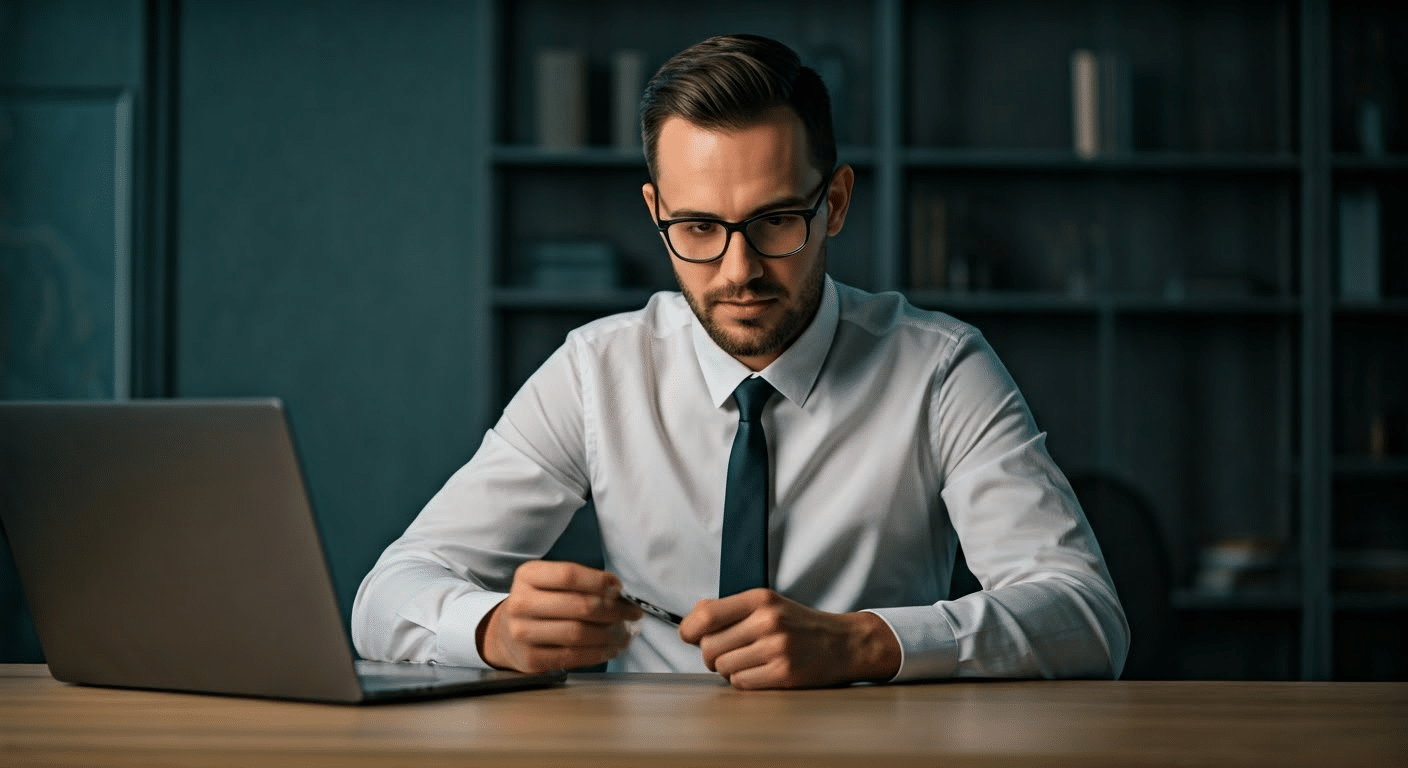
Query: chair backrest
pixel 1137 557
pixel 1135 553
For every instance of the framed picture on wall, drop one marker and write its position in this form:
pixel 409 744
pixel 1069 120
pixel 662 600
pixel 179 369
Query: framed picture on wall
pixel 65 243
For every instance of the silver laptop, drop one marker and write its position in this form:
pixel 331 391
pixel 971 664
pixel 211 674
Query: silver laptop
pixel 170 544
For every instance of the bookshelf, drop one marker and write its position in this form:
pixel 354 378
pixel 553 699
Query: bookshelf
pixel 1368 340
pixel 1171 307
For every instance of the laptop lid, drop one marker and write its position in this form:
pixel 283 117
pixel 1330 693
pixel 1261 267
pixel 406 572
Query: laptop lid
pixel 170 544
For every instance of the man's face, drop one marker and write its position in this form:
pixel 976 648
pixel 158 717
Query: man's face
pixel 753 307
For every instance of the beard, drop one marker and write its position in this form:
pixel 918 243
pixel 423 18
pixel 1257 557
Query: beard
pixel 760 337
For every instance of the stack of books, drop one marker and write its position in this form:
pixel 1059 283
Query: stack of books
pixel 575 266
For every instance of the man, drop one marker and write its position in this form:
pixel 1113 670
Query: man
pixel 787 460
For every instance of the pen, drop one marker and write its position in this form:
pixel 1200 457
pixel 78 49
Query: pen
pixel 652 609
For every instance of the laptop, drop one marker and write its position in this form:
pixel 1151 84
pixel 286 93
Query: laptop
pixel 170 544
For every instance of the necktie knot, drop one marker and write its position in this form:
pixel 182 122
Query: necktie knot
pixel 751 395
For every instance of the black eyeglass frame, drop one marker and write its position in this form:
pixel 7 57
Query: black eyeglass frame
pixel 663 225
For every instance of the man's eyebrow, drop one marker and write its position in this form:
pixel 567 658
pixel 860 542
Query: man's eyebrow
pixel 789 203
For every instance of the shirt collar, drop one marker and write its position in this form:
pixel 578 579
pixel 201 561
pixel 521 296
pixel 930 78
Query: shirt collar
pixel 793 373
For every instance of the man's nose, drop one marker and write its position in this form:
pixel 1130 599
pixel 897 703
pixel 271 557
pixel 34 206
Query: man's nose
pixel 740 264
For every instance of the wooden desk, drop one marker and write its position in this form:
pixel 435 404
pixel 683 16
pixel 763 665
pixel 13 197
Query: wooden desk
pixel 668 720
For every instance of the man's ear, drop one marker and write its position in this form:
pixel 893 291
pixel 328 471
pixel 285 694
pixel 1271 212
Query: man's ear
pixel 647 191
pixel 838 199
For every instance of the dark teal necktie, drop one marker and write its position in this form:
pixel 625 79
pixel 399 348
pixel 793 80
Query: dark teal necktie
pixel 743 562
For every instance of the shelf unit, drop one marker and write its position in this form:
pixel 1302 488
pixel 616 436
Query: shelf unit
pixel 1367 489
pixel 1169 307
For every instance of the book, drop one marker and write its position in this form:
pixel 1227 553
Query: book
pixel 561 117
pixel 1230 565
pixel 575 266
pixel 929 243
pixel 627 84
pixel 1101 110
pixel 1359 245
pixel 1085 102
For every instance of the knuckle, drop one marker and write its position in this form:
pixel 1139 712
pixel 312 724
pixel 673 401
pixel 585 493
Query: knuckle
pixel 571 607
pixel 778 673
pixel 590 606
pixel 549 574
pixel 769 617
pixel 709 647
pixel 576 634
pixel 577 576
pixel 556 572
pixel 711 657
pixel 779 645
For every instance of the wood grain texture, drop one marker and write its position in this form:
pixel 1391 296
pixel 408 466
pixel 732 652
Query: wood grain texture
pixel 696 720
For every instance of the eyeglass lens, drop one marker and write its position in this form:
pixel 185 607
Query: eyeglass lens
pixel 778 235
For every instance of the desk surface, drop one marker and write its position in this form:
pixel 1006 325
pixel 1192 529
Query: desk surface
pixel 665 720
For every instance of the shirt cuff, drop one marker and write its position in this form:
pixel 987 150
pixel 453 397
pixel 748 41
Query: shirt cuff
pixel 459 623
pixel 928 648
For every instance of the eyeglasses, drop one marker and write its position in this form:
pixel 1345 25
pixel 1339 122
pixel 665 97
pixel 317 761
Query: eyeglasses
pixel 774 234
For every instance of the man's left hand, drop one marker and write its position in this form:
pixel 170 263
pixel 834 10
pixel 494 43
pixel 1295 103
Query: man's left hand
pixel 760 639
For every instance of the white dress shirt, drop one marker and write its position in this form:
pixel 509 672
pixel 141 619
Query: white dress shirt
pixel 896 434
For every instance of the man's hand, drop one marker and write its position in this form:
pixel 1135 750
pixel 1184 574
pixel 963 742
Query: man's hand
pixel 760 639
pixel 557 615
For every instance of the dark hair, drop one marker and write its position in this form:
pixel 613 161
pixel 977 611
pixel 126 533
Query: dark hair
pixel 731 81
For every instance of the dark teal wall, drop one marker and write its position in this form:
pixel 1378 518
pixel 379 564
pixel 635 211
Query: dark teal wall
pixel 325 243
pixel 70 43
pixel 324 217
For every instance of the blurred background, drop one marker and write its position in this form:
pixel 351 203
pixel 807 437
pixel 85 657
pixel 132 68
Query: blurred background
pixel 1180 223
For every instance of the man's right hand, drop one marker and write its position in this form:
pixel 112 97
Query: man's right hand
pixel 557 615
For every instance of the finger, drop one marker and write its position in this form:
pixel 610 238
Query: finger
pixel 576 606
pixel 776 673
pixel 732 656
pixel 711 616
pixel 544 658
pixel 741 634
pixel 569 634
pixel 563 576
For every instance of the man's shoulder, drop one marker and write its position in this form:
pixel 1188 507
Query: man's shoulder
pixel 664 313
pixel 888 314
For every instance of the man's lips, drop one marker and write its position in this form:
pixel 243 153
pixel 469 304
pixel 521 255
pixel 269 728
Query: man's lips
pixel 752 298
pixel 746 308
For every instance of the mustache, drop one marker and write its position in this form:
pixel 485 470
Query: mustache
pixel 759 289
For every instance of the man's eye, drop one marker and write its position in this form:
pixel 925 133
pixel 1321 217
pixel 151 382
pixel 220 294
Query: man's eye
pixel 701 227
